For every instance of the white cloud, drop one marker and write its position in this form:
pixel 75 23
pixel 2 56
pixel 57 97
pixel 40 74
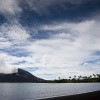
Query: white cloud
pixel 12 38
pixel 4 43
pixel 61 55
pixel 17 34
pixel 9 7
pixel 13 34
pixel 5 69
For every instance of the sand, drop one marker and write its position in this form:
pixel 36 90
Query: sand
pixel 85 96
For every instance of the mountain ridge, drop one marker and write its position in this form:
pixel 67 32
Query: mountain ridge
pixel 20 76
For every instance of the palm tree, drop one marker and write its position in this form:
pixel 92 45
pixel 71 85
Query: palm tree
pixel 79 77
pixel 84 77
pixel 69 77
pixel 75 77
pixel 98 75
pixel 90 76
pixel 59 78
pixel 94 75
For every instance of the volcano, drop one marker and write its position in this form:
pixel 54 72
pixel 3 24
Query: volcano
pixel 20 76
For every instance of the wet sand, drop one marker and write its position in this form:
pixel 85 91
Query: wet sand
pixel 85 96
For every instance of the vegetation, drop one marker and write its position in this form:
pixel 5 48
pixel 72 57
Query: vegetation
pixel 78 79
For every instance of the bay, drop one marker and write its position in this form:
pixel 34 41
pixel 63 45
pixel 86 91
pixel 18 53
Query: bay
pixel 34 91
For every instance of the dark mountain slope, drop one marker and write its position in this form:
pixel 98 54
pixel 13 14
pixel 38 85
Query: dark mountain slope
pixel 20 76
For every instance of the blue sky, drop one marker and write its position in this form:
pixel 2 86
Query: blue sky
pixel 50 38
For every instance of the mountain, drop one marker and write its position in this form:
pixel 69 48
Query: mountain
pixel 20 76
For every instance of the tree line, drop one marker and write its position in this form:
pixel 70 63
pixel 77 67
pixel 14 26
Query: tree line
pixel 78 79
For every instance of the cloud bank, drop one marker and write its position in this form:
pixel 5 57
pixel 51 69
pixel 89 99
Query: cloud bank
pixel 50 49
pixel 72 50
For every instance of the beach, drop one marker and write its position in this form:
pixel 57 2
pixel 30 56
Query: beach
pixel 95 95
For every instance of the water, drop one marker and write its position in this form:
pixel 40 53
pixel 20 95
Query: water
pixel 34 91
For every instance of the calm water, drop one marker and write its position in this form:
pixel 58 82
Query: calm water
pixel 33 91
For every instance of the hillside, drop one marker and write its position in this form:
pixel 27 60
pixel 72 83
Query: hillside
pixel 20 76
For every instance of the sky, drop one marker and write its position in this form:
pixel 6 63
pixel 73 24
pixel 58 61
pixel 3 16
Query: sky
pixel 50 38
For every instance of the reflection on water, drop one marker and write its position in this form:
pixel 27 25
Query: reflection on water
pixel 33 91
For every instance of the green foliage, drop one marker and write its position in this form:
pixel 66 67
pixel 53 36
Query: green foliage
pixel 80 79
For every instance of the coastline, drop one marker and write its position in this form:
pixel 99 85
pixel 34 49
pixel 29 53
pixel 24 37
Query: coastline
pixel 95 95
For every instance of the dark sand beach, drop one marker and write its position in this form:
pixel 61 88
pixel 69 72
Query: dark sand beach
pixel 85 96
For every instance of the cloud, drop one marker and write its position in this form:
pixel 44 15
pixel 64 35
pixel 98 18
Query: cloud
pixel 9 7
pixel 42 6
pixel 13 7
pixel 13 34
pixel 59 55
pixel 5 69
pixel 65 52
pixel 45 11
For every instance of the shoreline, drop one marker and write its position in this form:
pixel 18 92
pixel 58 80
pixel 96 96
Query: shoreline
pixel 95 95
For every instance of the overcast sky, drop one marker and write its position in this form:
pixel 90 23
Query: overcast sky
pixel 50 38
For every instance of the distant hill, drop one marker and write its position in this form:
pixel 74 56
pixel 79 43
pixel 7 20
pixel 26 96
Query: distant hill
pixel 20 76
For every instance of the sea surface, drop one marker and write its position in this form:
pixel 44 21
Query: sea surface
pixel 34 91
